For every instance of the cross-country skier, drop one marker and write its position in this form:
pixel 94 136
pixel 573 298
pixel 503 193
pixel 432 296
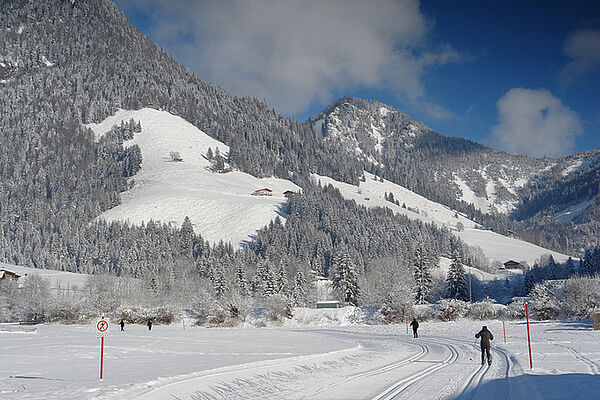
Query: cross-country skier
pixel 415 325
pixel 149 325
pixel 122 324
pixel 485 336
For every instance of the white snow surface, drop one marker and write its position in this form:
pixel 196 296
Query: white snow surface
pixel 220 206
pixel 467 194
pixel 46 62
pixel 495 247
pixel 572 212
pixel 327 362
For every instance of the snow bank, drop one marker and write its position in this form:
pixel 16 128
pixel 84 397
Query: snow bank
pixel 344 316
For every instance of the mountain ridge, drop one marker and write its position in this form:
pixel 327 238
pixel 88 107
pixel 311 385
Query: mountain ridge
pixel 73 63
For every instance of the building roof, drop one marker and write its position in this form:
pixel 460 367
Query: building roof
pixel 4 272
pixel 512 263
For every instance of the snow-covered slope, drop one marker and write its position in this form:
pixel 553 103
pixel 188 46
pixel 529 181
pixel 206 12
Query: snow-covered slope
pixel 495 247
pixel 56 279
pixel 220 206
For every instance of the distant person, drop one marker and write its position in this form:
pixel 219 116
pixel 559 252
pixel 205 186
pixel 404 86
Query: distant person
pixel 415 325
pixel 485 336
pixel 122 324
pixel 149 325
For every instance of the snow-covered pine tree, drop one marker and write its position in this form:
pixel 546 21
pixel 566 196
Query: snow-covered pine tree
pixel 345 279
pixel 544 304
pixel 220 283
pixel 552 268
pixel 264 282
pixel 585 266
pixel 218 162
pixel 299 290
pixel 186 238
pixel 456 281
pixel 242 284
pixel 422 274
pixel 281 281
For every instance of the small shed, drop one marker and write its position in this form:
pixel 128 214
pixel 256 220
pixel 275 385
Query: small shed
pixel 511 264
pixel 328 304
pixel 263 192
pixel 288 193
pixel 6 274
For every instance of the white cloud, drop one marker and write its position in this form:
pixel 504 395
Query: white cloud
pixel 536 123
pixel 583 47
pixel 296 53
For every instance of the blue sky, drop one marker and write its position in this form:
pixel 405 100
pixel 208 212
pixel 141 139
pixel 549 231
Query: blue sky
pixel 519 76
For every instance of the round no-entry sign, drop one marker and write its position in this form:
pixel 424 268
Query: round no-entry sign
pixel 102 327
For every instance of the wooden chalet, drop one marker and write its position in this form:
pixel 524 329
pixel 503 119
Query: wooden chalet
pixel 511 264
pixel 6 274
pixel 263 192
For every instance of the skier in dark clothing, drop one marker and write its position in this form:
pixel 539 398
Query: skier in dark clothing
pixel 485 336
pixel 415 325
pixel 122 324
pixel 149 324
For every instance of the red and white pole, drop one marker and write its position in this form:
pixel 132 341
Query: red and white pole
pixel 504 329
pixel 183 323
pixel 101 356
pixel 528 335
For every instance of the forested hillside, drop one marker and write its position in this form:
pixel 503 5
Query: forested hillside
pixel 67 63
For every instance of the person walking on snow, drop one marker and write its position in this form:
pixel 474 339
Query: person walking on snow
pixel 122 323
pixel 485 336
pixel 415 325
pixel 149 325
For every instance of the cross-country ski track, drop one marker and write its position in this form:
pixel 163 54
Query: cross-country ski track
pixel 433 361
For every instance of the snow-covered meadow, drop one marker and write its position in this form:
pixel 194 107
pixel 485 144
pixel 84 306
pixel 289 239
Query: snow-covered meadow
pixel 220 206
pixel 334 358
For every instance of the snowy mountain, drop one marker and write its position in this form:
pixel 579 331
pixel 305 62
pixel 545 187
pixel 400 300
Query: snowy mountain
pixel 71 66
pixel 408 152
pixel 464 175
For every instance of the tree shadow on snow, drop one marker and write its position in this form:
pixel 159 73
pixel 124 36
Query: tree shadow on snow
pixel 547 387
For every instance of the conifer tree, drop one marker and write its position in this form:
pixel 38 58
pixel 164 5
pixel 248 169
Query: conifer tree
pixel 220 284
pixel 456 281
pixel 299 290
pixel 422 274
pixel 345 279
pixel 552 268
pixel 241 281
pixel 281 283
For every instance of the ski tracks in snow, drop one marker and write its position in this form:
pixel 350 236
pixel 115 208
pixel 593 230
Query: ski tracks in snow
pixel 334 375
pixel 398 388
pixel 592 366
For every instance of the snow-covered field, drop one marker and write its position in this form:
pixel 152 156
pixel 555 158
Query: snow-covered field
pixel 495 247
pixel 56 279
pixel 322 362
pixel 220 206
